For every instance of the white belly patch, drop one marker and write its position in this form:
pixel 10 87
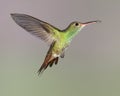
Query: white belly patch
pixel 56 55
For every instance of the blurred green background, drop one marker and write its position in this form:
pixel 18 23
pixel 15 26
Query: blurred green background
pixel 91 66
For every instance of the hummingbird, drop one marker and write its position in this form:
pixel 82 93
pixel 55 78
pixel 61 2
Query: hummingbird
pixel 57 39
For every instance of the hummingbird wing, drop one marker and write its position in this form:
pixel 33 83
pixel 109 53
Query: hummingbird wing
pixel 36 27
pixel 49 59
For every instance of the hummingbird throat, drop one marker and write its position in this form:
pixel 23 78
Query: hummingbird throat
pixel 71 34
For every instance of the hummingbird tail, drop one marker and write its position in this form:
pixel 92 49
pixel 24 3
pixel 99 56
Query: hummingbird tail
pixel 50 59
pixel 46 64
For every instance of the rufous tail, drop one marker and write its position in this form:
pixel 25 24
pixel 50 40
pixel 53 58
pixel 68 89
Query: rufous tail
pixel 49 60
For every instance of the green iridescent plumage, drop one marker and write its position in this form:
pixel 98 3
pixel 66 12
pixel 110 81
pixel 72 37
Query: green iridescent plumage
pixel 58 39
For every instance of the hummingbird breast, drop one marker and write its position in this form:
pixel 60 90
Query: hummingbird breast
pixel 59 48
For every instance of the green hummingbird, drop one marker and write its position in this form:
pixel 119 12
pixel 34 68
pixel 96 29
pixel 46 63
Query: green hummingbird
pixel 57 39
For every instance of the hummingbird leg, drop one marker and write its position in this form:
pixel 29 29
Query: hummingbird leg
pixel 62 55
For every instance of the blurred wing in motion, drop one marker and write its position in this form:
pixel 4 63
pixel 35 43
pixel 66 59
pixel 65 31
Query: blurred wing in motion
pixel 36 27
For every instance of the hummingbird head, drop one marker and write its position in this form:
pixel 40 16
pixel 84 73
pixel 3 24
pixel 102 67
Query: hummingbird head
pixel 77 26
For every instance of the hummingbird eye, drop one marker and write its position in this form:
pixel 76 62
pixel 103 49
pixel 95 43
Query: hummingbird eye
pixel 76 24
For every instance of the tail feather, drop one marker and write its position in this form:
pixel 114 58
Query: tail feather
pixel 46 64
pixel 49 60
pixel 42 68
pixel 54 61
pixel 51 63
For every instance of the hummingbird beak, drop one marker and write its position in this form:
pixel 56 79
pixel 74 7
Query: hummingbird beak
pixel 90 22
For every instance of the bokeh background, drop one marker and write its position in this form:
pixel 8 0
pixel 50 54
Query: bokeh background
pixel 91 66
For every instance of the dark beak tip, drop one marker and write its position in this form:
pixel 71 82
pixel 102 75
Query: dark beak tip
pixel 98 21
